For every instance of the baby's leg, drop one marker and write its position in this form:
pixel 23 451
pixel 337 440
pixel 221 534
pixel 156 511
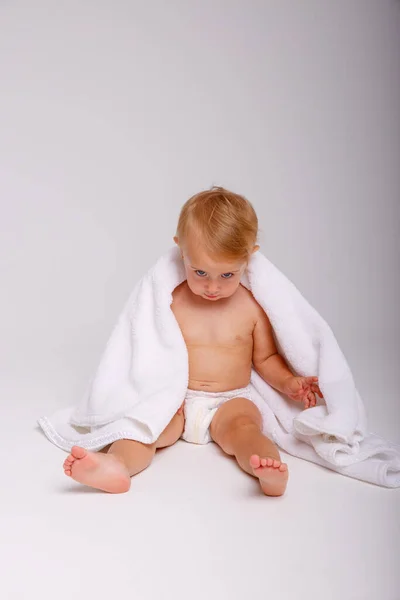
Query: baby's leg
pixel 111 472
pixel 236 428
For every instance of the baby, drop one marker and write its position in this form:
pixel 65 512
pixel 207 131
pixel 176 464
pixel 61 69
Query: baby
pixel 226 333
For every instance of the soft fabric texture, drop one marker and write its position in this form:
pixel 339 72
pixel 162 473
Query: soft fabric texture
pixel 142 379
pixel 200 408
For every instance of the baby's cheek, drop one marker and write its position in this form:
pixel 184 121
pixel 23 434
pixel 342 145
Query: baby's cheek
pixel 233 285
pixel 193 284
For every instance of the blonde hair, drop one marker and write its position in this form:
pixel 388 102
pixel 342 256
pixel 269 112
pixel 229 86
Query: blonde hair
pixel 226 223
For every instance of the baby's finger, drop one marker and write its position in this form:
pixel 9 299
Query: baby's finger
pixel 305 391
pixel 311 397
pixel 311 380
pixel 315 388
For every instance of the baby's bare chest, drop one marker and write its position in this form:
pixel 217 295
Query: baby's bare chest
pixel 217 327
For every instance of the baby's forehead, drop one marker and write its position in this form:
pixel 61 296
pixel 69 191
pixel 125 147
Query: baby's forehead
pixel 200 260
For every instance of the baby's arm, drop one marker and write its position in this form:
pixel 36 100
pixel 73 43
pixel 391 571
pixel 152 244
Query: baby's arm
pixel 266 360
pixel 273 368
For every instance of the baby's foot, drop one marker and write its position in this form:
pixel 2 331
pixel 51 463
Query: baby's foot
pixel 102 471
pixel 273 474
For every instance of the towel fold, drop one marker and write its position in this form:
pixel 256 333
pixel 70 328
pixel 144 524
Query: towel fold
pixel 142 379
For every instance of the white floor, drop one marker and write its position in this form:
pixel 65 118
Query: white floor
pixel 192 526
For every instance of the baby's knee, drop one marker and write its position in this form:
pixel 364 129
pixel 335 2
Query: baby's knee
pixel 237 417
pixel 243 425
pixel 244 422
pixel 243 414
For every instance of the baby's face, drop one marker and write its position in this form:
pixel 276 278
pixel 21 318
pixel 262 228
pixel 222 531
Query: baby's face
pixel 208 278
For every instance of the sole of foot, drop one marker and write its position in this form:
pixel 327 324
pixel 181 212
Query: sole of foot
pixel 272 474
pixel 101 471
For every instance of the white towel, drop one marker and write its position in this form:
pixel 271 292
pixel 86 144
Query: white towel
pixel 142 379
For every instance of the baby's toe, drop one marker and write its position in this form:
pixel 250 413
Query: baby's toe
pixel 282 467
pixel 255 461
pixel 78 452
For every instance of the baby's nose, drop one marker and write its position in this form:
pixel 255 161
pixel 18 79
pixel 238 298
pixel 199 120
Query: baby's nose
pixel 212 288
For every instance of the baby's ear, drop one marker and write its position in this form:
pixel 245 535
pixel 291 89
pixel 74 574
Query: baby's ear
pixel 177 243
pixel 255 249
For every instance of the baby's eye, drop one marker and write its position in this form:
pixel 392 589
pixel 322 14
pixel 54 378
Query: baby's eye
pixel 200 273
pixel 226 275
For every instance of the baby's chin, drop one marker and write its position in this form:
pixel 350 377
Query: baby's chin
pixel 210 297
pixel 205 296
pixel 214 298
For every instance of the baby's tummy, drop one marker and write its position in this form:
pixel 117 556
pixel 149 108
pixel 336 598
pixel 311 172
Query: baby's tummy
pixel 219 369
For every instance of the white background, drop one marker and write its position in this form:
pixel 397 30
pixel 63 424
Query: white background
pixel 111 115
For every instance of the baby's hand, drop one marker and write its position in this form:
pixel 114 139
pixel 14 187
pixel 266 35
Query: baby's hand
pixel 302 389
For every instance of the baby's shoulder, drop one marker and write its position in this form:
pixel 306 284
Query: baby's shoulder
pixel 179 296
pixel 247 302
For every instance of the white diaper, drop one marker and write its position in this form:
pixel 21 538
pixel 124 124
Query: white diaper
pixel 200 408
